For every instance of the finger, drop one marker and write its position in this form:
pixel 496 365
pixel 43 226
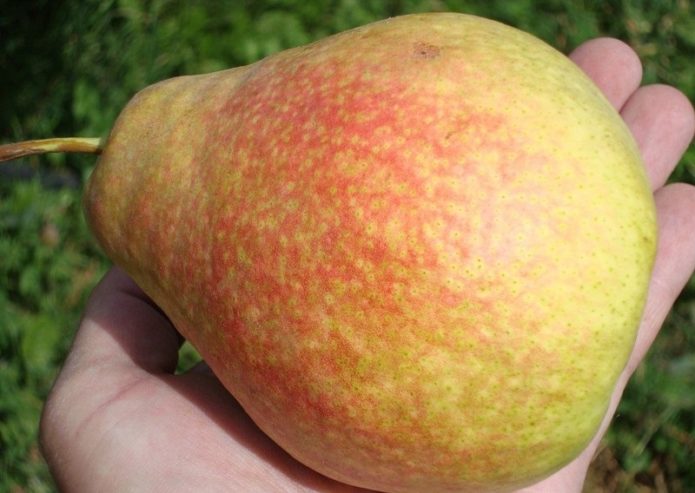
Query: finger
pixel 121 327
pixel 663 122
pixel 673 266
pixel 613 66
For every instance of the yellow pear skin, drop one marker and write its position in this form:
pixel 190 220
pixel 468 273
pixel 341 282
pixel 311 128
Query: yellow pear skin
pixel 416 252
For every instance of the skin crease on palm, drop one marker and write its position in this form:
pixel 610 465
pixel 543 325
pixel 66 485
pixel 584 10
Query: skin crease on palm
pixel 118 419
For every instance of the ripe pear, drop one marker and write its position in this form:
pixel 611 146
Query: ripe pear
pixel 416 252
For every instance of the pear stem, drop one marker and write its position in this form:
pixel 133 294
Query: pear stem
pixel 44 146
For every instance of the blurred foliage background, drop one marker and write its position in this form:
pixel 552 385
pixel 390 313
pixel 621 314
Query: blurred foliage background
pixel 69 66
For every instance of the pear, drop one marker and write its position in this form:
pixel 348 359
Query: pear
pixel 416 252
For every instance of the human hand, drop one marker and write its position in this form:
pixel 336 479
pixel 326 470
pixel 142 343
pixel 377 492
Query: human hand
pixel 118 419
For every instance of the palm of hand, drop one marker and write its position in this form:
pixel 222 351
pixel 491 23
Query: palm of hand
pixel 118 418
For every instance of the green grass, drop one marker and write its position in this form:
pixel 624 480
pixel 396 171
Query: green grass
pixel 69 67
